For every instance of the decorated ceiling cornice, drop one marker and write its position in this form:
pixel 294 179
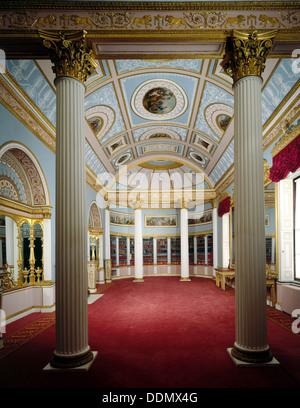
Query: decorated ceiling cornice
pixel 140 47
pixel 185 17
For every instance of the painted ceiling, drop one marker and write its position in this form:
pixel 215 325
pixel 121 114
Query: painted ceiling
pixel 158 118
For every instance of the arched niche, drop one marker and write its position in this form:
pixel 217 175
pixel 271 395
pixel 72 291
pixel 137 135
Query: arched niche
pixel 95 230
pixel 25 199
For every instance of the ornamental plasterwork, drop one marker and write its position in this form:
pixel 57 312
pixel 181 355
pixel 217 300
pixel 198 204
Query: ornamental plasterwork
pixel 213 111
pixel 289 135
pixel 105 114
pixel 37 188
pixel 8 188
pixel 15 165
pixel 12 102
pixel 95 216
pixel 148 19
pixel 152 87
pixel 159 132
pixel 282 126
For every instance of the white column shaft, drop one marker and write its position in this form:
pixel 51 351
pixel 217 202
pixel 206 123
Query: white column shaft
pixel 47 249
pixel 107 234
pixel 184 246
pixel 138 244
pixel 71 221
pixel 215 237
pixel 251 319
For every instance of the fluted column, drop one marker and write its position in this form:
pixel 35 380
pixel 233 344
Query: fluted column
pixel 184 244
pixel 72 64
pixel 215 234
pixel 138 245
pixel 107 259
pixel 244 61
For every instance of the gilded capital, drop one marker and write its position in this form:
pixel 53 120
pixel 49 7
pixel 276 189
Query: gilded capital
pixel 245 54
pixel 69 53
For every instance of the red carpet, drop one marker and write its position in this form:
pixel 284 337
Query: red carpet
pixel 161 333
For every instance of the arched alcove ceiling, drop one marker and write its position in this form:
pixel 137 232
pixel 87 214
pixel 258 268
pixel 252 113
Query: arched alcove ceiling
pixel 177 110
pixel 161 100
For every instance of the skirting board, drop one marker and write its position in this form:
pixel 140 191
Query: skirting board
pixel 80 369
pixel 240 363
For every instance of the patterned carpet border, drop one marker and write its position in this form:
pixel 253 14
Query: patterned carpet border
pixel 21 336
pixel 282 319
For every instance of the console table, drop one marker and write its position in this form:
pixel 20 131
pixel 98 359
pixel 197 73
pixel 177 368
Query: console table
pixel 223 274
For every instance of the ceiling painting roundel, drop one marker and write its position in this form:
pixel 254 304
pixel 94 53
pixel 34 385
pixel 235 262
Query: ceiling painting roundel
pixel 159 100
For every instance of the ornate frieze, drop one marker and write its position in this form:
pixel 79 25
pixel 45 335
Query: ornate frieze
pixel 69 54
pixel 158 19
pixel 246 53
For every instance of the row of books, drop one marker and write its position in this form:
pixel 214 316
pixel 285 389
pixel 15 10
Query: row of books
pixel 162 250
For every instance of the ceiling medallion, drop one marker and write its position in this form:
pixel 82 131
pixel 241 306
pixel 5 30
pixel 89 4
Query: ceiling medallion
pixel 218 116
pixel 197 157
pixel 160 133
pixel 159 99
pixel 122 159
pixel 100 118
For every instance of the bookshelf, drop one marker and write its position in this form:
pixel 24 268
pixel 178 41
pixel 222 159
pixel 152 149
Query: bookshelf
pixel 162 251
pixel 210 249
pixel 175 250
pixel 268 250
pixel 148 251
pixel 131 251
pixel 200 249
pixel 113 251
pixel 191 250
pixel 122 251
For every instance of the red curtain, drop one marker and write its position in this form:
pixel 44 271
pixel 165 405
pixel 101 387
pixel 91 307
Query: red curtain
pixel 286 161
pixel 224 206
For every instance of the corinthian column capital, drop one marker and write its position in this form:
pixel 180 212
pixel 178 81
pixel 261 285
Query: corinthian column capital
pixel 69 53
pixel 245 53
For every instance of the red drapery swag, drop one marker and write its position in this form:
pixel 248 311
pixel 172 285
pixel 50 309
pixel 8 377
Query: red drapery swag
pixel 224 206
pixel 286 161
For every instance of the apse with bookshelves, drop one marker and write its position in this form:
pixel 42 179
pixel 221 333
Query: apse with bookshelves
pixel 209 249
pixel 175 250
pixel 148 251
pixel 200 249
pixel 191 250
pixel 113 250
pixel 268 250
pixel 131 251
pixel 122 251
pixel 162 251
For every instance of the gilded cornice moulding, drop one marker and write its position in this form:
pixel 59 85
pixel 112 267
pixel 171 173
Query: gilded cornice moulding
pixel 151 5
pixel 137 18
pixel 289 135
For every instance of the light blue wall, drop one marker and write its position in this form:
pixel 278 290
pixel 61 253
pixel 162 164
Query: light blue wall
pixel 13 130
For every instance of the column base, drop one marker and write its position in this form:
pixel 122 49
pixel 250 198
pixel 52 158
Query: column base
pixel 108 281
pixel 185 279
pixel 81 361
pixel 138 280
pixel 250 357
pixel 82 368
